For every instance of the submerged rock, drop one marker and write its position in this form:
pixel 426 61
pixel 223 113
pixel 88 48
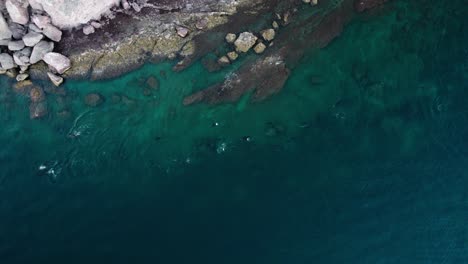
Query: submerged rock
pixel 38 110
pixel 57 61
pixel 94 99
pixel 37 94
pixel 245 42
pixel 152 83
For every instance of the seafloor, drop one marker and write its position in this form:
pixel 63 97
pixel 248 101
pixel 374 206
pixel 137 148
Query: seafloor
pixel 361 158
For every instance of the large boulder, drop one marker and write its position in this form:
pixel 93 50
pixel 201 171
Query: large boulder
pixel 5 32
pixel 21 57
pixel 57 62
pixel 18 11
pixel 16 45
pixel 32 38
pixel 52 32
pixel 73 13
pixel 245 41
pixel 41 21
pixel 41 49
pixel 6 61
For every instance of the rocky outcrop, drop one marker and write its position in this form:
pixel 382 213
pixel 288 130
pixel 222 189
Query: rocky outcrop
pixel 245 42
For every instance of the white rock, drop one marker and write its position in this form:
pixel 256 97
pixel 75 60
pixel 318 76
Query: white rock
pixel 35 5
pixel 38 52
pixel 230 37
pixel 5 32
pixel 125 4
pixel 55 79
pixel 33 28
pixel 57 62
pixel 136 7
pixel 21 57
pixel 41 21
pixel 21 77
pixel 6 61
pixel 73 13
pixel 245 41
pixel 18 11
pixel 96 24
pixel 32 38
pixel 182 31
pixel 87 30
pixel 52 32
pixel 16 45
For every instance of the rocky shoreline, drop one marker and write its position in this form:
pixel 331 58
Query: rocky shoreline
pixel 185 31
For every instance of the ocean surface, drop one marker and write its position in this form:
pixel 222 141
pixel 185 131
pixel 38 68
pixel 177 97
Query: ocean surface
pixel 362 158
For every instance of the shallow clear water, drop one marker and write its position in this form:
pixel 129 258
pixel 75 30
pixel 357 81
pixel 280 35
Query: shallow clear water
pixel 360 159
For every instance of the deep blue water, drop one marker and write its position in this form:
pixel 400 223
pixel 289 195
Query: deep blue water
pixel 369 166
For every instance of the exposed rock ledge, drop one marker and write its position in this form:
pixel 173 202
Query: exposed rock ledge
pixel 149 31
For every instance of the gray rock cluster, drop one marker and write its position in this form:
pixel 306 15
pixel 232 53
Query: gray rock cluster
pixel 27 36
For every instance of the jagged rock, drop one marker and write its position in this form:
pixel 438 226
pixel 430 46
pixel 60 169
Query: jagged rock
pixel 21 57
pixel 87 30
pixel 6 60
pixel 57 62
pixel 18 11
pixel 230 37
pixel 32 38
pixel 55 79
pixel 259 48
pixel 41 21
pixel 52 33
pixel 33 28
pixel 21 77
pixel 245 41
pixel 232 55
pixel 223 61
pixel 94 99
pixel 182 31
pixel 268 34
pixel 5 32
pixel 38 52
pixel 18 30
pixel 16 45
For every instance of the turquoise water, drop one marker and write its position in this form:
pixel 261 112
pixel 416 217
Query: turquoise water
pixel 360 159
